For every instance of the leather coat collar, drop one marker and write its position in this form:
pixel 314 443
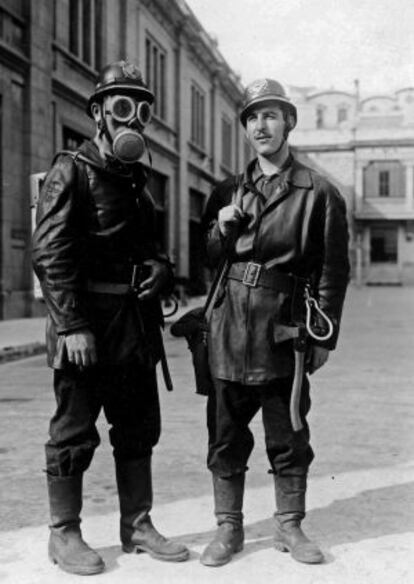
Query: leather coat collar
pixel 298 175
pixel 90 151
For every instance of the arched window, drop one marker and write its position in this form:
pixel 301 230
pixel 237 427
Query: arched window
pixel 342 114
pixel 320 116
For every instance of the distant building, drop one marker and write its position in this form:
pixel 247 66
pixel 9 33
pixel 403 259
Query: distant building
pixel 50 52
pixel 367 147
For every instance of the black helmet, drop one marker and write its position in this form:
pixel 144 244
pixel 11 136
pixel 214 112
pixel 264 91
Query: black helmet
pixel 263 90
pixel 120 77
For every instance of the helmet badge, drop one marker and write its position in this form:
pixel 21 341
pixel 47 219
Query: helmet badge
pixel 258 87
pixel 130 70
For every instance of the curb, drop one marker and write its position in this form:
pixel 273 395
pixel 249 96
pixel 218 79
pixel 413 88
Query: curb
pixel 21 351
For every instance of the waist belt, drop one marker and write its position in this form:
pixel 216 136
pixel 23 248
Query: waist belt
pixel 136 274
pixel 108 287
pixel 255 275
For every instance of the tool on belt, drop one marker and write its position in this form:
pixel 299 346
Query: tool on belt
pixel 253 274
pixel 299 347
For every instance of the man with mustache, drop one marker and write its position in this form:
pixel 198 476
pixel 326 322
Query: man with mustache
pixel 283 228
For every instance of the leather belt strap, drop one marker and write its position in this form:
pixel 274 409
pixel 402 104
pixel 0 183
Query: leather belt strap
pixel 122 289
pixel 253 274
pixel 108 287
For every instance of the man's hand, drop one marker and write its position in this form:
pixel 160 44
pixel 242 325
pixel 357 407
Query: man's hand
pixel 229 218
pixel 315 358
pixel 158 277
pixel 81 348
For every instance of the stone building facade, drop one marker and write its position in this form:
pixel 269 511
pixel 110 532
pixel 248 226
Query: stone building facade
pixel 366 145
pixel 50 52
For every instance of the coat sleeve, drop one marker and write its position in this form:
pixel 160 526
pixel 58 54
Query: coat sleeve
pixel 58 246
pixel 334 274
pixel 150 249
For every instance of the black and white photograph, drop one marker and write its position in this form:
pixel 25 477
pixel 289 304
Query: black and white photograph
pixel 206 291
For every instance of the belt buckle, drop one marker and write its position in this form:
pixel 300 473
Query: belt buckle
pixel 251 274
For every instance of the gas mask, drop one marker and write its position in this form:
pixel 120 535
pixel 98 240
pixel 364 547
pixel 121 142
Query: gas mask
pixel 128 144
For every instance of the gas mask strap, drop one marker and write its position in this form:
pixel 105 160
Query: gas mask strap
pixel 149 152
pixel 103 128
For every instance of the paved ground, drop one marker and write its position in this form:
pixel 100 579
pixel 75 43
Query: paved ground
pixel 360 495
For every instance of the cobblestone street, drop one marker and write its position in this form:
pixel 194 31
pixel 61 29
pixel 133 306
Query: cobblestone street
pixel 360 494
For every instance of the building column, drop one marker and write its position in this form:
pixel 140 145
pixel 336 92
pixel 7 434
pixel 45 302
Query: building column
pixel 359 185
pixel 358 259
pixel 182 106
pixel 409 187
pixel 213 132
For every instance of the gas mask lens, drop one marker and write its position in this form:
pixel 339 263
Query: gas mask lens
pixel 124 109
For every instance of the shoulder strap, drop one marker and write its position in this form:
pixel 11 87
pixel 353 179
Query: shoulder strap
pixel 237 199
pixel 81 170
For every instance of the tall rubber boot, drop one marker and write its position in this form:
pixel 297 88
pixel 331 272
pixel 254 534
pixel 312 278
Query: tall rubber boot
pixel 290 505
pixel 66 546
pixel 135 498
pixel 229 537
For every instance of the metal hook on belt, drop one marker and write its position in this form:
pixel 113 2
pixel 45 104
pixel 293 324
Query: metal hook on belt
pixel 312 303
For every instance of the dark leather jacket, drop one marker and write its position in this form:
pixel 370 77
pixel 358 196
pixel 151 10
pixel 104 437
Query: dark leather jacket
pixel 94 222
pixel 302 230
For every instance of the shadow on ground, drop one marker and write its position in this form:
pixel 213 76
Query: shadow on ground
pixel 369 515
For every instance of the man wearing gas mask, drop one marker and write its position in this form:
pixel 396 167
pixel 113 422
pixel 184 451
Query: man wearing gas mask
pixel 95 254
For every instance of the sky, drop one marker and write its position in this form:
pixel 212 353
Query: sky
pixel 320 43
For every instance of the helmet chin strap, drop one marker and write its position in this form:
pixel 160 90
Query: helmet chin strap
pixel 284 140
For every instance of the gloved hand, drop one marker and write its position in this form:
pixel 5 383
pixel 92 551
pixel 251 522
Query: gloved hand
pixel 315 358
pixel 156 280
pixel 229 218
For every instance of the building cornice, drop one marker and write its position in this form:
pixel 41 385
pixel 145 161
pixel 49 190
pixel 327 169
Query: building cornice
pixel 61 89
pixel 381 215
pixel 355 145
pixel 13 59
pixel 208 176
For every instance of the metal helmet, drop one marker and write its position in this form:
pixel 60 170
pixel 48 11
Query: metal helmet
pixel 264 90
pixel 120 77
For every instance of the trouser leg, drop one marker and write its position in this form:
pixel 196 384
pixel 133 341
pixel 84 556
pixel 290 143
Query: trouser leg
pixel 229 411
pixel 132 409
pixel 73 436
pixel 69 450
pixel 289 452
pixel 290 456
pixel 131 406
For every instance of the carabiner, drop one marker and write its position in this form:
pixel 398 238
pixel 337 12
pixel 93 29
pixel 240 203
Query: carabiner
pixel 309 301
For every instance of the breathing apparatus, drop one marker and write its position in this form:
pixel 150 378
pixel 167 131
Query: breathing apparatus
pixel 128 143
pixel 122 94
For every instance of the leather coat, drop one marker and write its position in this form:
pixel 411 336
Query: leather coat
pixel 95 221
pixel 302 230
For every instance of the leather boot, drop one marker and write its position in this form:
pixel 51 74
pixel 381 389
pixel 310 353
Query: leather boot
pixel 290 504
pixel 229 537
pixel 66 546
pixel 135 498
